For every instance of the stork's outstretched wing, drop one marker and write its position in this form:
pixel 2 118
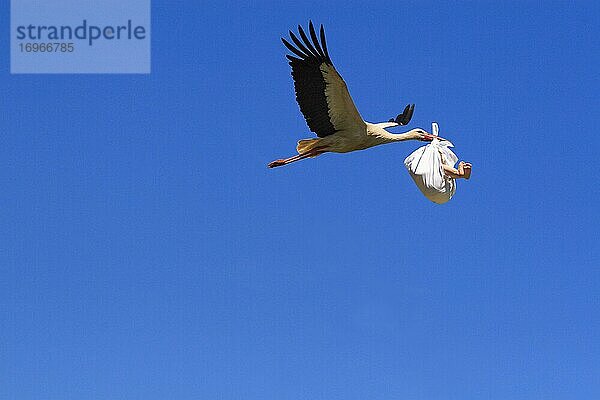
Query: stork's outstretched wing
pixel 320 90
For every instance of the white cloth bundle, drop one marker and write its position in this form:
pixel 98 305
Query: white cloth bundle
pixel 425 167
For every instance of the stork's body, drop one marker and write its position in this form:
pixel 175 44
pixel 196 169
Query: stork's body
pixel 370 135
pixel 329 111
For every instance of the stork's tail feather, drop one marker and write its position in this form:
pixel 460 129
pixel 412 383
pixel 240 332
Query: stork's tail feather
pixel 306 145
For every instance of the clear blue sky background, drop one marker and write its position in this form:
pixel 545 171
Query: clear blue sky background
pixel 147 252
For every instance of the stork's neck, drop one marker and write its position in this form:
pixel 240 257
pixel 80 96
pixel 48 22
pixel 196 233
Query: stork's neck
pixel 388 137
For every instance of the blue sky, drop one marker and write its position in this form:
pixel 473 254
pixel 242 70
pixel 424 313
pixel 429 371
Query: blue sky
pixel 147 251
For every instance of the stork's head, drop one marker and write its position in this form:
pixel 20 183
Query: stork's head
pixel 422 135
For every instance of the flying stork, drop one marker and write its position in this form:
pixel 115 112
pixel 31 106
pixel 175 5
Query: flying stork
pixel 326 104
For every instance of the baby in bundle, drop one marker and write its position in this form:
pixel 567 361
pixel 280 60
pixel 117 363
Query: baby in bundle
pixel 432 169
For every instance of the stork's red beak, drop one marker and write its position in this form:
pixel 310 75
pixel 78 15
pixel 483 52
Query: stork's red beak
pixel 429 138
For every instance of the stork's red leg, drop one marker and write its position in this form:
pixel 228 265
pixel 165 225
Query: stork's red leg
pixel 284 161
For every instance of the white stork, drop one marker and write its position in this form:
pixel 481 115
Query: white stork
pixel 326 104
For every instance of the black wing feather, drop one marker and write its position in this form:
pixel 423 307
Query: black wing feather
pixel 405 117
pixel 307 42
pixel 293 49
pixel 298 43
pixel 313 36
pixel 324 44
pixel 309 82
